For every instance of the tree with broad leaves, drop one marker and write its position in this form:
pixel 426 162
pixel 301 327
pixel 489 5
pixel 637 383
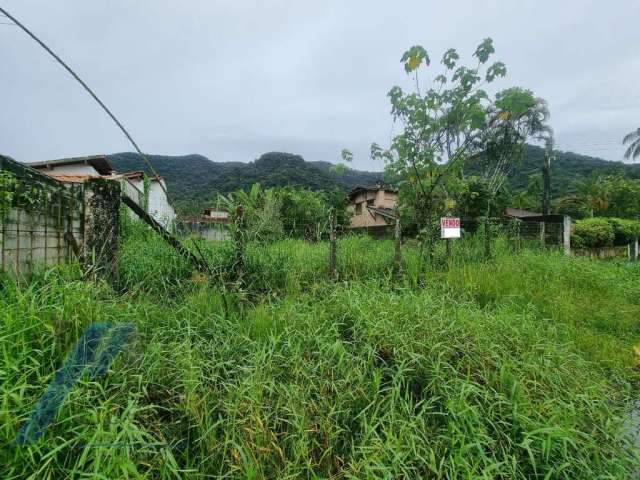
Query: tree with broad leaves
pixel 452 120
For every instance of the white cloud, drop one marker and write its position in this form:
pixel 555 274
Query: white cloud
pixel 232 79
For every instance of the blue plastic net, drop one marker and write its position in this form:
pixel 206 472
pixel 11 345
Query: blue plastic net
pixel 94 352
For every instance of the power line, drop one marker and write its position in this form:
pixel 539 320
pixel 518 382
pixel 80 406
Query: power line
pixel 86 87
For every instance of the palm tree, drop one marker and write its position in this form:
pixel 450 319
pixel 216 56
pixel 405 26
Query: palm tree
pixel 633 139
pixel 594 193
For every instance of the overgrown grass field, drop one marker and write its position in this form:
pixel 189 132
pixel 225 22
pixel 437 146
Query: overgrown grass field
pixel 514 368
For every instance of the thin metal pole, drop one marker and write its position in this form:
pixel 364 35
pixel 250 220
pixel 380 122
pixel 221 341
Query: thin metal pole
pixel 86 87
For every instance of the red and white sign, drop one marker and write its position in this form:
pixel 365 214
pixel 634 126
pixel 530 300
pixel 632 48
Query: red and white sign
pixel 449 227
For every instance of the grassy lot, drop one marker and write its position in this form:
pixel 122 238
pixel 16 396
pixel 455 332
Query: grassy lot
pixel 521 367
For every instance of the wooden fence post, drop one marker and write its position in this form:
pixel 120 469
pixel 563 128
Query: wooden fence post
pixel 239 243
pixel 543 234
pixel 101 227
pixel 566 235
pixel 397 259
pixel 487 237
pixel 333 247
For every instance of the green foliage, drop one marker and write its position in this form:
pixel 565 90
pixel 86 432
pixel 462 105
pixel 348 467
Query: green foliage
pixel 305 213
pixel 146 189
pixel 7 192
pixel 14 192
pixel 625 231
pixel 261 212
pixel 273 213
pixel 574 205
pixel 193 180
pixel 633 141
pixel 622 196
pixel 452 123
pixel 592 233
pixel 475 199
pixel 604 232
pixel 465 374
pixel 568 170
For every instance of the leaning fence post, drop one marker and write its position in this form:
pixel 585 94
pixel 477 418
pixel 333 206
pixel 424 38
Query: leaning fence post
pixel 566 234
pixel 333 247
pixel 397 259
pixel 101 227
pixel 239 243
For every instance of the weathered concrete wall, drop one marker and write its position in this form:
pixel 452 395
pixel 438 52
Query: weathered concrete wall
pixel 38 223
pixel 101 227
pixel 602 252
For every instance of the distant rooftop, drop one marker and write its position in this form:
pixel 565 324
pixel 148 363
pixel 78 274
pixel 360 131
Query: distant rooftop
pixel 520 213
pixel 373 188
pixel 99 162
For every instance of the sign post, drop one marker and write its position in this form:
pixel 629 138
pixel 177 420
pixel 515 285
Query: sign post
pixel 449 228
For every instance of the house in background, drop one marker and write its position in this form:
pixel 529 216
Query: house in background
pixel 373 208
pixel 520 213
pixel 216 215
pixel 212 224
pixel 158 205
pixel 80 169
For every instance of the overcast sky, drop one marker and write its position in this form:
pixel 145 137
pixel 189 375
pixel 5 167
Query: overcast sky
pixel 234 79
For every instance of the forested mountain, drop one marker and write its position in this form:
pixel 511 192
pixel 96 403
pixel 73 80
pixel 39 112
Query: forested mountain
pixel 194 180
pixel 566 170
pixel 197 179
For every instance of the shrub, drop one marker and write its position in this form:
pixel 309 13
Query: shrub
pixel 592 232
pixel 625 231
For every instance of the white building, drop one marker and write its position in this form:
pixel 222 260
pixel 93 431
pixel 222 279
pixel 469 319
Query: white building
pixel 79 169
pixel 158 205
pixel 75 168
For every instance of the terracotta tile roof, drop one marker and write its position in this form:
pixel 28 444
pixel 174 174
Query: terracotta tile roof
pixel 67 178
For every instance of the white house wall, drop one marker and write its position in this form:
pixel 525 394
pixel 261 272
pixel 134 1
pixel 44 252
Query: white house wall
pixel 73 169
pixel 159 207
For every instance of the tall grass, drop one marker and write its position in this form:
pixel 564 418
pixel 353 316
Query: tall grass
pixel 520 367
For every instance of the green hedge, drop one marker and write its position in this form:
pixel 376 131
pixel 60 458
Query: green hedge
pixel 604 232
pixel 625 231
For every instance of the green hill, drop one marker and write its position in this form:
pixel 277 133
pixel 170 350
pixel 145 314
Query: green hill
pixel 567 169
pixel 197 180
pixel 194 180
